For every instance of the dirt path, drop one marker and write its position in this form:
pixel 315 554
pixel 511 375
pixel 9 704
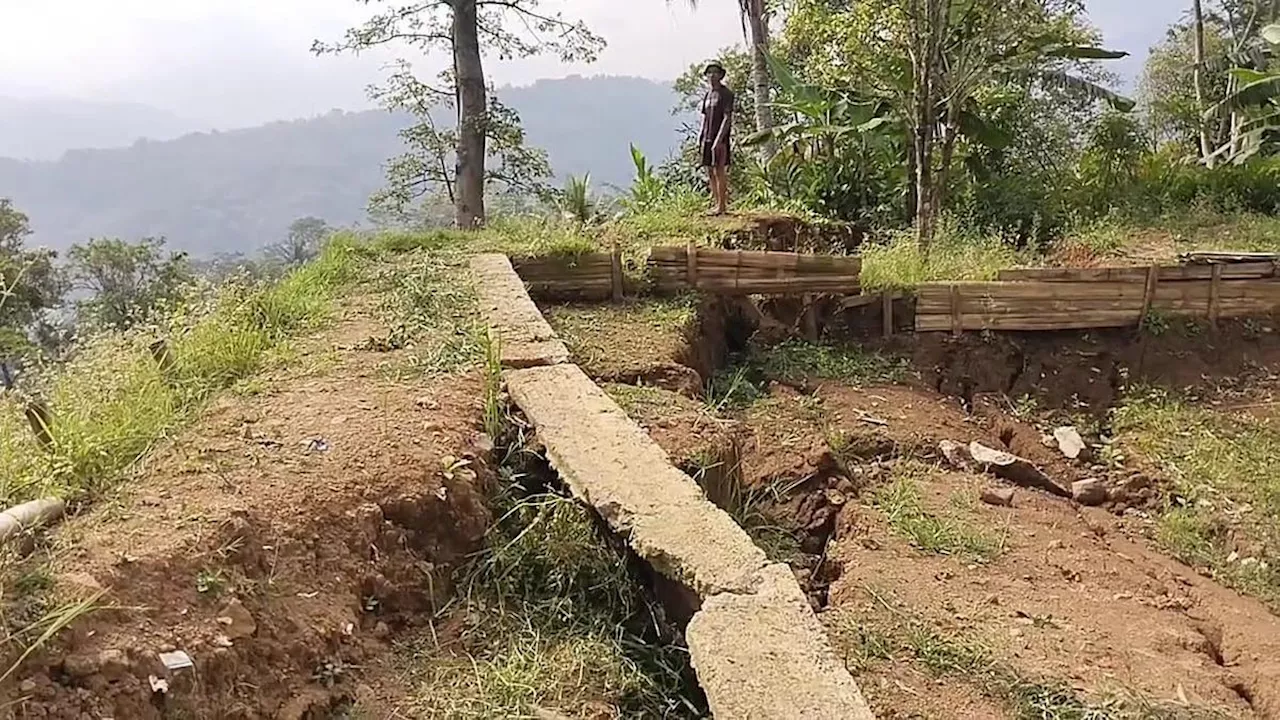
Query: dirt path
pixel 281 542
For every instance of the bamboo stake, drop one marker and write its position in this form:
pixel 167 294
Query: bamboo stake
pixel 1149 294
pixel 691 257
pixel 1215 288
pixel 29 516
pixel 886 305
pixel 615 273
pixel 956 327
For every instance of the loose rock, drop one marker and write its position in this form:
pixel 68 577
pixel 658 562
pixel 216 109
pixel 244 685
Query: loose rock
pixel 80 666
pixel 114 664
pixel 1014 469
pixel 955 454
pixel 1002 497
pixel 238 621
pixel 1089 491
pixel 1069 441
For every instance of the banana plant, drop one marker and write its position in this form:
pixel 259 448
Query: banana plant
pixel 1255 100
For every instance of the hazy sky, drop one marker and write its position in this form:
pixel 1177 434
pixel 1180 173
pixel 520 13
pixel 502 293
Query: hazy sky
pixel 241 62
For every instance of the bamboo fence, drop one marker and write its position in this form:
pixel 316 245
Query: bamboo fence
pixel 671 270
pixel 1082 298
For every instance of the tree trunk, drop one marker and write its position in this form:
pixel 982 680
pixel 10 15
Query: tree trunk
pixel 1206 150
pixel 760 77
pixel 472 115
pixel 942 183
pixel 911 177
pixel 930 28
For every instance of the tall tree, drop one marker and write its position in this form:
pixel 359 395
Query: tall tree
pixel 1206 150
pixel 127 282
pixel 302 243
pixel 468 29
pixel 29 282
pixel 930 59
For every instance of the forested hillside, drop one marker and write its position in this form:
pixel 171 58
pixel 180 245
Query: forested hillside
pixel 237 191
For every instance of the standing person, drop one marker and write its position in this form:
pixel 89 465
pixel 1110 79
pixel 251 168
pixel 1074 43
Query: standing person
pixel 717 123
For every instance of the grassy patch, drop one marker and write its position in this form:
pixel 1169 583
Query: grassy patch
pixel 605 337
pixel 888 632
pixel 900 264
pixel 745 381
pixel 552 620
pixel 430 304
pixel 939 534
pixel 1224 512
pixel 796 360
pixel 640 401
pixel 112 401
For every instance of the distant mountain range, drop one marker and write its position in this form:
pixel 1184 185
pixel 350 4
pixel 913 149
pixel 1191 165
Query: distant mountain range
pixel 45 128
pixel 236 191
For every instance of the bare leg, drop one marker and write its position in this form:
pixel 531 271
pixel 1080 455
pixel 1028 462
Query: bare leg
pixel 713 175
pixel 722 188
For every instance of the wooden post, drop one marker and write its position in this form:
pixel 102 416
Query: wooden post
pixel 1149 295
pixel 956 325
pixel 615 272
pixel 886 311
pixel 691 259
pixel 41 421
pixel 1215 293
pixel 164 358
pixel 737 270
pixel 810 319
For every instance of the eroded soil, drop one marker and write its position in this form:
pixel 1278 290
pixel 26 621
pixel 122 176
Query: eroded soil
pixel 282 542
pixel 957 608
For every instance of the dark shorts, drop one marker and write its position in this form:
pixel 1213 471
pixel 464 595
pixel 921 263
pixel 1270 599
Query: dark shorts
pixel 709 159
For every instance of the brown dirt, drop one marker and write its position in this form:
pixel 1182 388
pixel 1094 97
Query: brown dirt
pixel 1085 371
pixel 324 508
pixel 1076 597
pixel 902 691
pixel 666 344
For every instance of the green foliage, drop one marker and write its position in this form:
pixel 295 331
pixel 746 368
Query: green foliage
pixel 128 282
pixel 651 192
pixel 428 168
pixel 576 201
pixel 1226 492
pixel 29 282
pixel 305 238
pixel 111 402
pixel 838 155
pixel 900 264
pixel 933 533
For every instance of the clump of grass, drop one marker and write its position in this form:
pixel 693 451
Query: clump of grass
pixel 537 237
pixel 645 401
pixel 892 632
pixel 112 401
pixel 942 535
pixel 552 621
pixel 796 360
pixel 899 263
pixel 604 336
pixel 1225 487
pixel 431 306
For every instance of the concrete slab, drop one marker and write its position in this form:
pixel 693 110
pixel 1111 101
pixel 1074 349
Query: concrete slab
pixel 610 463
pixel 525 338
pixel 763 655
